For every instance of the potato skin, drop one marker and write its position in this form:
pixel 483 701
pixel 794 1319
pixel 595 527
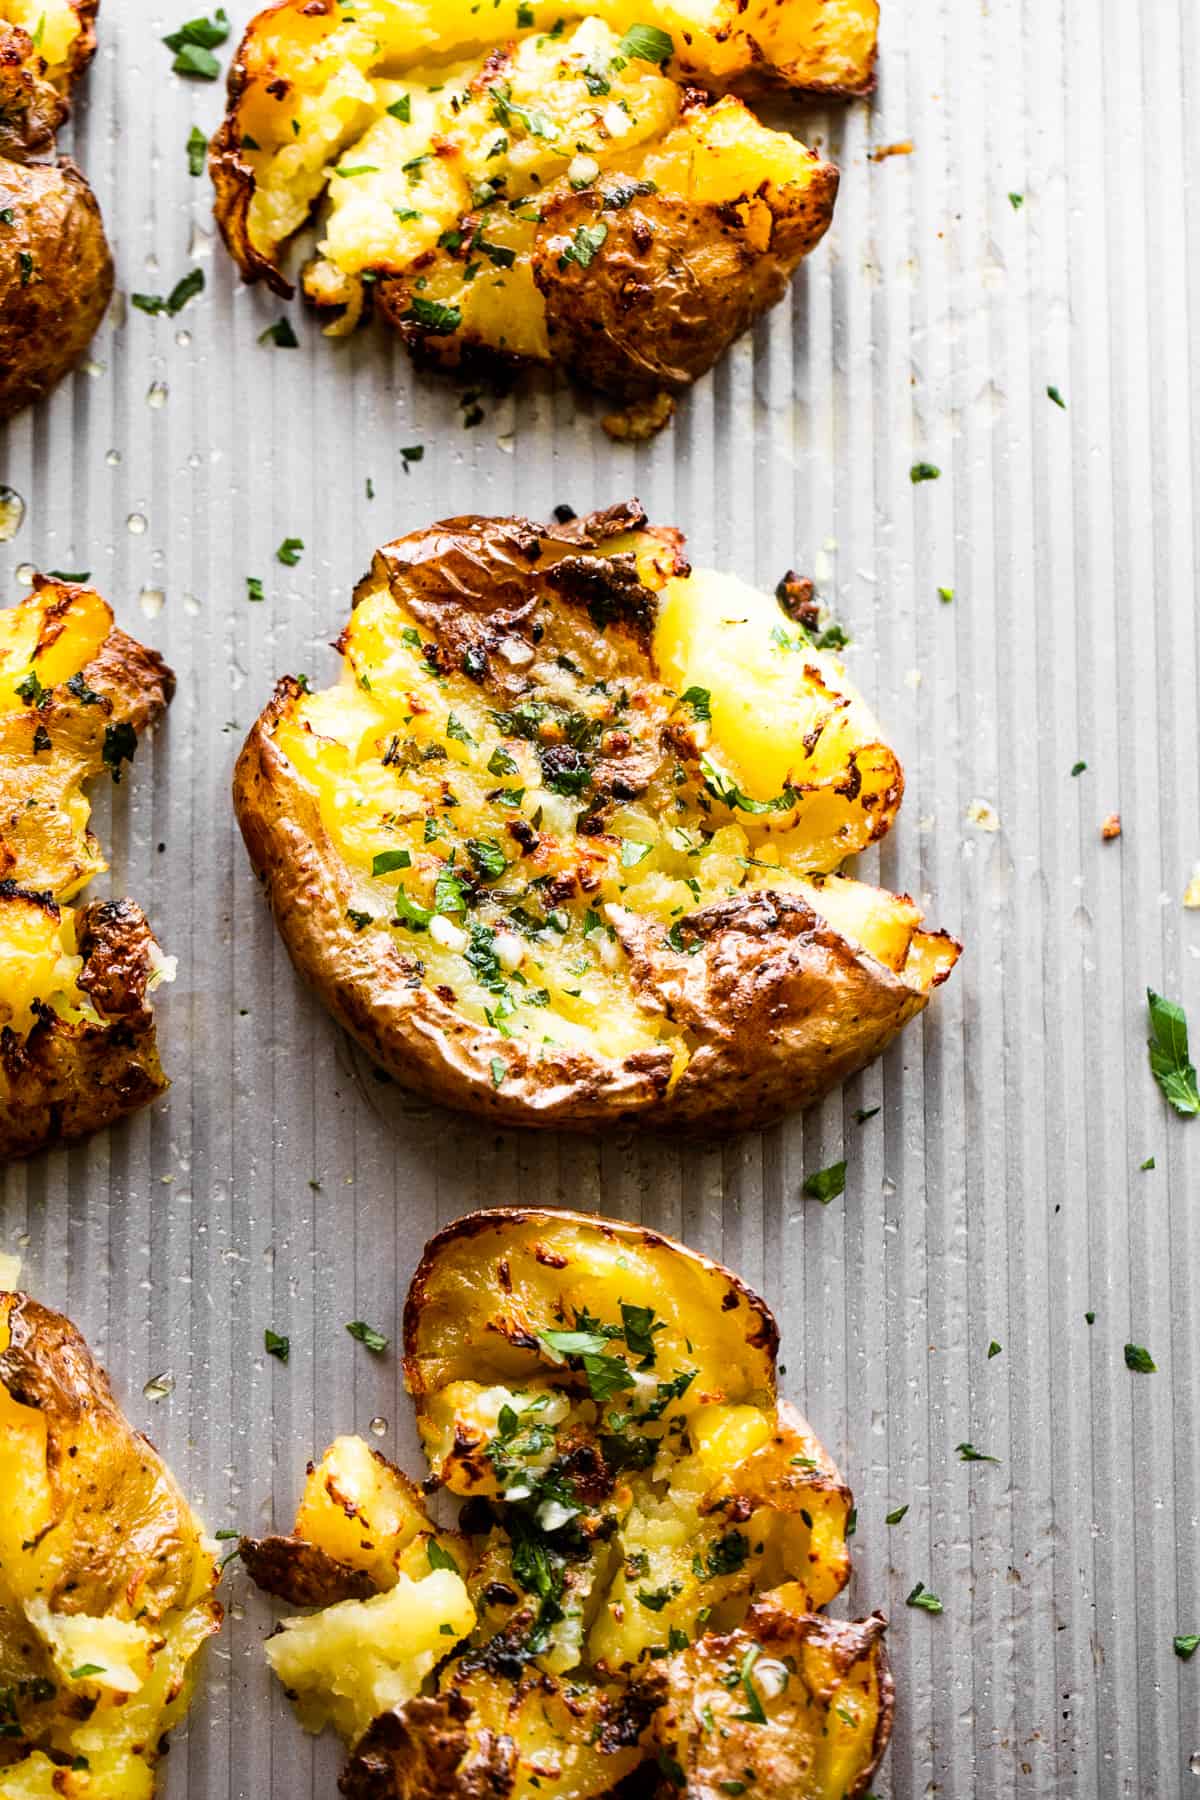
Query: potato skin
pixel 65 1079
pixel 56 270
pixel 486 1259
pixel 780 1006
pixel 56 277
pixel 94 1524
pixel 672 286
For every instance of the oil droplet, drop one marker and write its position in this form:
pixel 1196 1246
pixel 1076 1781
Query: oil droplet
pixel 136 523
pixel 113 459
pixel 156 394
pixel 159 1386
pixel 201 242
pixel 12 514
pixel 25 574
pixel 152 600
pixel 152 264
pixel 191 605
pixel 183 339
pixel 379 1425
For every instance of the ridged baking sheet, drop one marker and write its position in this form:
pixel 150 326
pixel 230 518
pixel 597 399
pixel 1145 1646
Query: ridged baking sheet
pixel 998 1194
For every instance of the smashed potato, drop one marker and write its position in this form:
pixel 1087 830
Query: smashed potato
pixel 557 196
pixel 106 1576
pixel 564 844
pixel 646 1538
pixel 56 271
pixel 77 1047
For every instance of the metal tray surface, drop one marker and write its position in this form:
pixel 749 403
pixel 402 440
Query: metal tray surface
pixel 999 1193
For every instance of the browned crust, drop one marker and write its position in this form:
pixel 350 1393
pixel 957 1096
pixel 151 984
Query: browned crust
pixel 61 1081
pixel 848 1642
pixel 122 1533
pixel 778 1007
pixel 500 1219
pixel 672 286
pixel 84 47
pixel 31 109
pixel 302 1573
pixel 366 981
pixel 418 1751
pixel 52 303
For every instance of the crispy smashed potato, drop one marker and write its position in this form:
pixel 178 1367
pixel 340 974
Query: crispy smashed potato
pixel 77 1047
pixel 106 1576
pixel 556 196
pixel 564 843
pixel 56 272
pixel 64 32
pixel 644 1522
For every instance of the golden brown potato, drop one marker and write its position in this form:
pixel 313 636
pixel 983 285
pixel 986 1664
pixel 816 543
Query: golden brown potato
pixel 640 1510
pixel 106 1575
pixel 56 273
pixel 77 1047
pixel 63 30
pixel 562 845
pixel 564 198
pixel 791 1706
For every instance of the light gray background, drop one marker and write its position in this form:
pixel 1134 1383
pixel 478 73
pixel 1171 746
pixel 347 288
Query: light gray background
pixel 998 1193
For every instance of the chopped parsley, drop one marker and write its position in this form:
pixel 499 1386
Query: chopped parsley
pixel 826 1184
pixel 359 920
pixel 401 109
pixel 994 1349
pixel 754 1713
pixel 1052 393
pixel 185 289
pixel 499 1070
pixel 924 471
pixel 968 1453
pixel 1170 1063
pixel 275 1345
pixel 646 43
pixel 1139 1359
pixel 385 861
pixel 433 315
pixel 197 151
pixel 30 689
pixel 1186 1646
pixel 254 588
pixel 700 701
pixel 727 1555
pixel 194 44
pixel 367 1334
pixel 441 1559
pixel 288 552
pixel 411 453
pixel 280 334
pixel 924 1600
pixel 411 913
pixel 120 743
pixel 894 1518
pixel 585 244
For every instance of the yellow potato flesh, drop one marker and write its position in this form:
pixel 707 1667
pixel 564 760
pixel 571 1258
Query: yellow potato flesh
pixel 52 24
pixel 37 961
pixel 781 712
pixel 351 1661
pixel 119 1679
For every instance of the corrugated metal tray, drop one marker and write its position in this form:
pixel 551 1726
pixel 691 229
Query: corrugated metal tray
pixel 998 1194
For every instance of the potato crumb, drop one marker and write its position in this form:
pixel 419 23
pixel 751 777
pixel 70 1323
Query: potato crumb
pixel 1191 893
pixel 641 420
pixel 881 152
pixel 983 816
pixel 1111 828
